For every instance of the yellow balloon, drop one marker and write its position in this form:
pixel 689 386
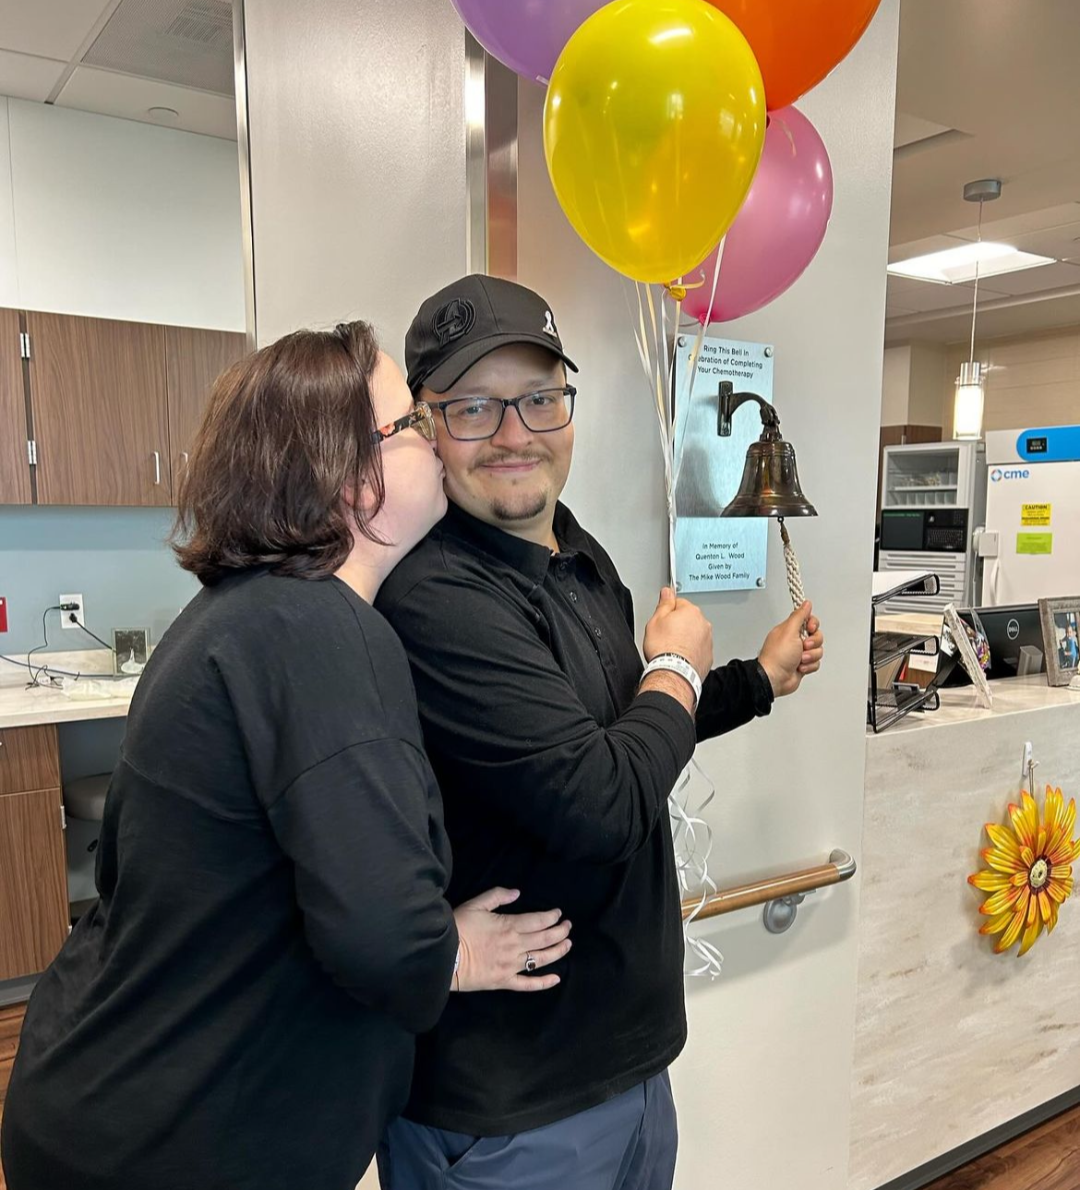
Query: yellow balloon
pixel 653 127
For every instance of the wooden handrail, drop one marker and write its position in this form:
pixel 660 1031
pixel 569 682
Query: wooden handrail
pixel 840 867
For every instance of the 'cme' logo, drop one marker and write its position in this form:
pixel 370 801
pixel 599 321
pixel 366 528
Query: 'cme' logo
pixel 1010 473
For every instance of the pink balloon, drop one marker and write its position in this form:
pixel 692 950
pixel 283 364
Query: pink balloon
pixel 778 230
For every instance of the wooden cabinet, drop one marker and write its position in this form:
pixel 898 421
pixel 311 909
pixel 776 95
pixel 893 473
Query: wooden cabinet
pixel 14 461
pixel 29 759
pixel 33 874
pixel 100 419
pixel 194 359
pixel 110 407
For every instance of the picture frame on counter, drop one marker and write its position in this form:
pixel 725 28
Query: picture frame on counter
pixel 1060 620
pixel 956 642
pixel 131 648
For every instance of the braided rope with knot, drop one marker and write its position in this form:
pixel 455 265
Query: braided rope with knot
pixel 791 564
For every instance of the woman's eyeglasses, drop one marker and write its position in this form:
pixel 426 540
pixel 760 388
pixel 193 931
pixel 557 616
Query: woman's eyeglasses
pixel 470 419
pixel 420 418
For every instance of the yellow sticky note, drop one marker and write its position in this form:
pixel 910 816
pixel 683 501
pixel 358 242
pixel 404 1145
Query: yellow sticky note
pixel 1034 543
pixel 1035 514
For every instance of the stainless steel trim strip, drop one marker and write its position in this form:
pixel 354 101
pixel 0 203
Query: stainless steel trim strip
pixel 243 145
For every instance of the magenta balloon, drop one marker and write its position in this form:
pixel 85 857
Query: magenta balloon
pixel 779 229
pixel 526 35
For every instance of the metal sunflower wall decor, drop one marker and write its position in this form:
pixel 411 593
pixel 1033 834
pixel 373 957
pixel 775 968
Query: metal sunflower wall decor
pixel 1029 870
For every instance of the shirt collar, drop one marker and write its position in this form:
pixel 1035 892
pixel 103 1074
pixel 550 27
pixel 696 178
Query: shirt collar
pixel 530 559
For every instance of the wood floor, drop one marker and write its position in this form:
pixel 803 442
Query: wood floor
pixel 1047 1158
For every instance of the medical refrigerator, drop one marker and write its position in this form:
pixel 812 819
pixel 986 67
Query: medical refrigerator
pixel 1031 544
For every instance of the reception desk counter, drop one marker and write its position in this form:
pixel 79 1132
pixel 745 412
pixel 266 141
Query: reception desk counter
pixel 953 1041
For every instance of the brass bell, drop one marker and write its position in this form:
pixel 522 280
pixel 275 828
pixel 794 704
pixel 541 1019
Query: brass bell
pixel 770 481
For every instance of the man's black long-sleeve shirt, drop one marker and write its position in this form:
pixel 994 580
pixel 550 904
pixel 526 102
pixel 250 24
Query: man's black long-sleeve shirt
pixel 555 776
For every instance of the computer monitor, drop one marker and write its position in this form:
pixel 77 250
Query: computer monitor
pixel 1007 630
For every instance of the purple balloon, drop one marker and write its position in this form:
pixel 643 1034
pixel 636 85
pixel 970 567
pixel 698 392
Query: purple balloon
pixel 779 229
pixel 526 35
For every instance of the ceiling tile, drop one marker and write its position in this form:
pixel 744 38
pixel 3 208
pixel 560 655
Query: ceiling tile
pixel 1029 319
pixel 26 77
pixel 1041 219
pixel 1061 242
pixel 993 324
pixel 131 98
pixel 1050 276
pixel 185 42
pixel 909 129
pixel 48 28
pixel 927 295
pixel 1024 132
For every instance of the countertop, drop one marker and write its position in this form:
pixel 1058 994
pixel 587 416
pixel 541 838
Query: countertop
pixel 23 707
pixel 1012 696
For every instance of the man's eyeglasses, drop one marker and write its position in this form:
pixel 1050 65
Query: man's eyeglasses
pixel 420 418
pixel 470 419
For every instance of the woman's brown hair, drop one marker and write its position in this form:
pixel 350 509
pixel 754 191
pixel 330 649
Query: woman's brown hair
pixel 287 431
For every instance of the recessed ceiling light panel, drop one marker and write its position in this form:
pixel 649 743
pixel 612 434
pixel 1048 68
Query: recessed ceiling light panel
pixel 955 265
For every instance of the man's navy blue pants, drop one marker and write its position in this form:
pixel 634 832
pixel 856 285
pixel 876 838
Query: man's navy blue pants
pixel 628 1143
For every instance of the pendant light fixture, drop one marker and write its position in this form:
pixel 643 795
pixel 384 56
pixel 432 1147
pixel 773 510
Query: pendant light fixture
pixel 970 395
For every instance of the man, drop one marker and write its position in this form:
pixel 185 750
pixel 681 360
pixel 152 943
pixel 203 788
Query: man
pixel 555 760
pixel 1069 649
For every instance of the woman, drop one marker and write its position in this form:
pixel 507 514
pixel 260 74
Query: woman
pixel 238 1009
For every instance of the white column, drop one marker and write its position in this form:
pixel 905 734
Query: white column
pixel 357 158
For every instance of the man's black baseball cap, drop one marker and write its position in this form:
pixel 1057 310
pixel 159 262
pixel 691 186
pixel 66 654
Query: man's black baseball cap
pixel 469 319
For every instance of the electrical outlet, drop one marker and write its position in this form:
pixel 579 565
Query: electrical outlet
pixel 79 612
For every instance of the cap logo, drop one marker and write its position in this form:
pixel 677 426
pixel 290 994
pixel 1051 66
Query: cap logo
pixel 549 325
pixel 453 320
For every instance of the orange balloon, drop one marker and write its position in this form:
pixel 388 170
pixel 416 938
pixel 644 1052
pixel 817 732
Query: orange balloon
pixel 797 42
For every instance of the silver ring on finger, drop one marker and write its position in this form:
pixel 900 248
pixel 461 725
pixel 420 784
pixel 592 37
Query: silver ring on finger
pixel 530 964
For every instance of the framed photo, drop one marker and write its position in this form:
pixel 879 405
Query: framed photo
pixel 955 642
pixel 131 646
pixel 1061 638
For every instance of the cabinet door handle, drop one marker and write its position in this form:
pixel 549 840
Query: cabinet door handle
pixel 157 467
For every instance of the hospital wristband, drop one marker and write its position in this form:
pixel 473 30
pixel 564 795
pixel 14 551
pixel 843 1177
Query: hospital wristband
pixel 674 663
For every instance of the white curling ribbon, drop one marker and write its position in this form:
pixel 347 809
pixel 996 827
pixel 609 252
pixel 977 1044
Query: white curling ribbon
pixel 693 840
pixel 692 836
